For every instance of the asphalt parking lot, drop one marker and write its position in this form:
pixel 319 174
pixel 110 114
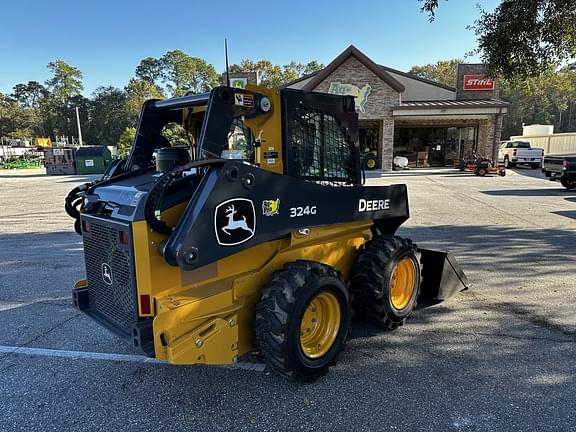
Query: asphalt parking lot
pixel 498 357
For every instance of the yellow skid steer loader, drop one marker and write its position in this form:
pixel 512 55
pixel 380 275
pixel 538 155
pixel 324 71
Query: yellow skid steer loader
pixel 258 236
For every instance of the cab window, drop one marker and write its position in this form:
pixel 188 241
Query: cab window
pixel 240 143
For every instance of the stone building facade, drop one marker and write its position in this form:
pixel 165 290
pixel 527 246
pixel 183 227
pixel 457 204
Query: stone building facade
pixel 401 114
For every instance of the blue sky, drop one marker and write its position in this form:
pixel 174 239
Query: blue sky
pixel 107 39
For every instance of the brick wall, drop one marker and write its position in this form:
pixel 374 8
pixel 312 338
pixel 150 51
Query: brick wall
pixel 489 137
pixel 381 99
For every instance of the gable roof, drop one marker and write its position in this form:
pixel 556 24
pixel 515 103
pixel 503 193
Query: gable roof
pixel 352 51
pixel 297 80
pixel 417 78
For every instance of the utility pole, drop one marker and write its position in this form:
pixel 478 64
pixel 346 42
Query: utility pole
pixel 79 129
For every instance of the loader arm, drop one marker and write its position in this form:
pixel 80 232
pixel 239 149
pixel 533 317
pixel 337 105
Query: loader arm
pixel 201 237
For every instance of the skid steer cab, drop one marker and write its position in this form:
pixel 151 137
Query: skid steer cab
pixel 252 236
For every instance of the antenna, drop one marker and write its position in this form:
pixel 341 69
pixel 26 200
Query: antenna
pixel 226 54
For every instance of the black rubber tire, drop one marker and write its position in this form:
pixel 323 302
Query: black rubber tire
pixel 535 165
pixel 482 172
pixel 568 183
pixel 366 163
pixel 279 314
pixel 371 278
pixel 507 163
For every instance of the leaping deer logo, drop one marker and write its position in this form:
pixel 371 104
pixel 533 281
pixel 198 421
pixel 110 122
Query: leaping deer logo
pixel 235 224
pixel 107 274
pixel 234 221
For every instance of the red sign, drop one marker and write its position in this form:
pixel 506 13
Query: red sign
pixel 478 82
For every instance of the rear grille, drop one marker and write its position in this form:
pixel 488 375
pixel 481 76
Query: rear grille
pixel 110 273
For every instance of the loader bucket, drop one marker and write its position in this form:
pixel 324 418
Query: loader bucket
pixel 442 276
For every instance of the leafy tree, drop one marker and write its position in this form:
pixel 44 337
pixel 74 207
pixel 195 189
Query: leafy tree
pixel 65 94
pixel 139 91
pixel 16 121
pixel 175 134
pixel 126 140
pixel 30 95
pixel 177 73
pixel 149 69
pixel 182 73
pixel 523 37
pixel 549 98
pixel 313 66
pixel 66 81
pixel 272 75
pixel 29 98
pixel 443 71
pixel 108 116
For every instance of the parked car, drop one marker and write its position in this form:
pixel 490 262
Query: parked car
pixel 512 153
pixel 562 168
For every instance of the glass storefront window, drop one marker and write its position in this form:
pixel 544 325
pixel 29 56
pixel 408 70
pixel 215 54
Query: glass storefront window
pixel 435 146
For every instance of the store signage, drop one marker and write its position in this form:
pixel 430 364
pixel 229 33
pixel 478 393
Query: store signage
pixel 360 93
pixel 478 82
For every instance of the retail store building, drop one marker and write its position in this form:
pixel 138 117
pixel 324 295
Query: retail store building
pixel 401 114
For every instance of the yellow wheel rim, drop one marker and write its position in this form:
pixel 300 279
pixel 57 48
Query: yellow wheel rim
pixel 370 163
pixel 403 283
pixel 320 325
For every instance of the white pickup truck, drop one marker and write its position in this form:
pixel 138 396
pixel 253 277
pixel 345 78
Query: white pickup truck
pixel 512 153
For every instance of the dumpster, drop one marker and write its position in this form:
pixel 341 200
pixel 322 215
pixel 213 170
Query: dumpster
pixel 59 160
pixel 92 159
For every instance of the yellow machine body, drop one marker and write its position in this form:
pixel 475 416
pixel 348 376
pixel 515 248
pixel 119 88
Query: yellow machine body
pixel 206 315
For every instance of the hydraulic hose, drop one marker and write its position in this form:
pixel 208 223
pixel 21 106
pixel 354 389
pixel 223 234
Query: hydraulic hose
pixel 158 191
pixel 73 203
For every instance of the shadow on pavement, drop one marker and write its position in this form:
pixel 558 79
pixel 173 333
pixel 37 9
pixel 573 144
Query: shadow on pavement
pixel 529 172
pixel 566 213
pixel 527 192
pixel 503 250
pixel 34 265
pixel 17 176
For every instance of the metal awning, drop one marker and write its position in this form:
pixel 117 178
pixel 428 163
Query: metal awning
pixel 450 109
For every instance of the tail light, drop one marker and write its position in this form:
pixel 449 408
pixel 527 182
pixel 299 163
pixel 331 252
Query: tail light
pixel 145 304
pixel 86 226
pixel 123 237
pixel 514 152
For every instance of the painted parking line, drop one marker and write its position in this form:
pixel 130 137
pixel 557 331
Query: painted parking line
pixel 86 355
pixel 4 306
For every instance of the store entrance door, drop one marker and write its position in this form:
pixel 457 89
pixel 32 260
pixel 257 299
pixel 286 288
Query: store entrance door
pixel 437 155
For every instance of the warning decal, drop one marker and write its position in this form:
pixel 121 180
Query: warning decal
pixel 244 99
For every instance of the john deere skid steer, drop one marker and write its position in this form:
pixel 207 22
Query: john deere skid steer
pixel 259 236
